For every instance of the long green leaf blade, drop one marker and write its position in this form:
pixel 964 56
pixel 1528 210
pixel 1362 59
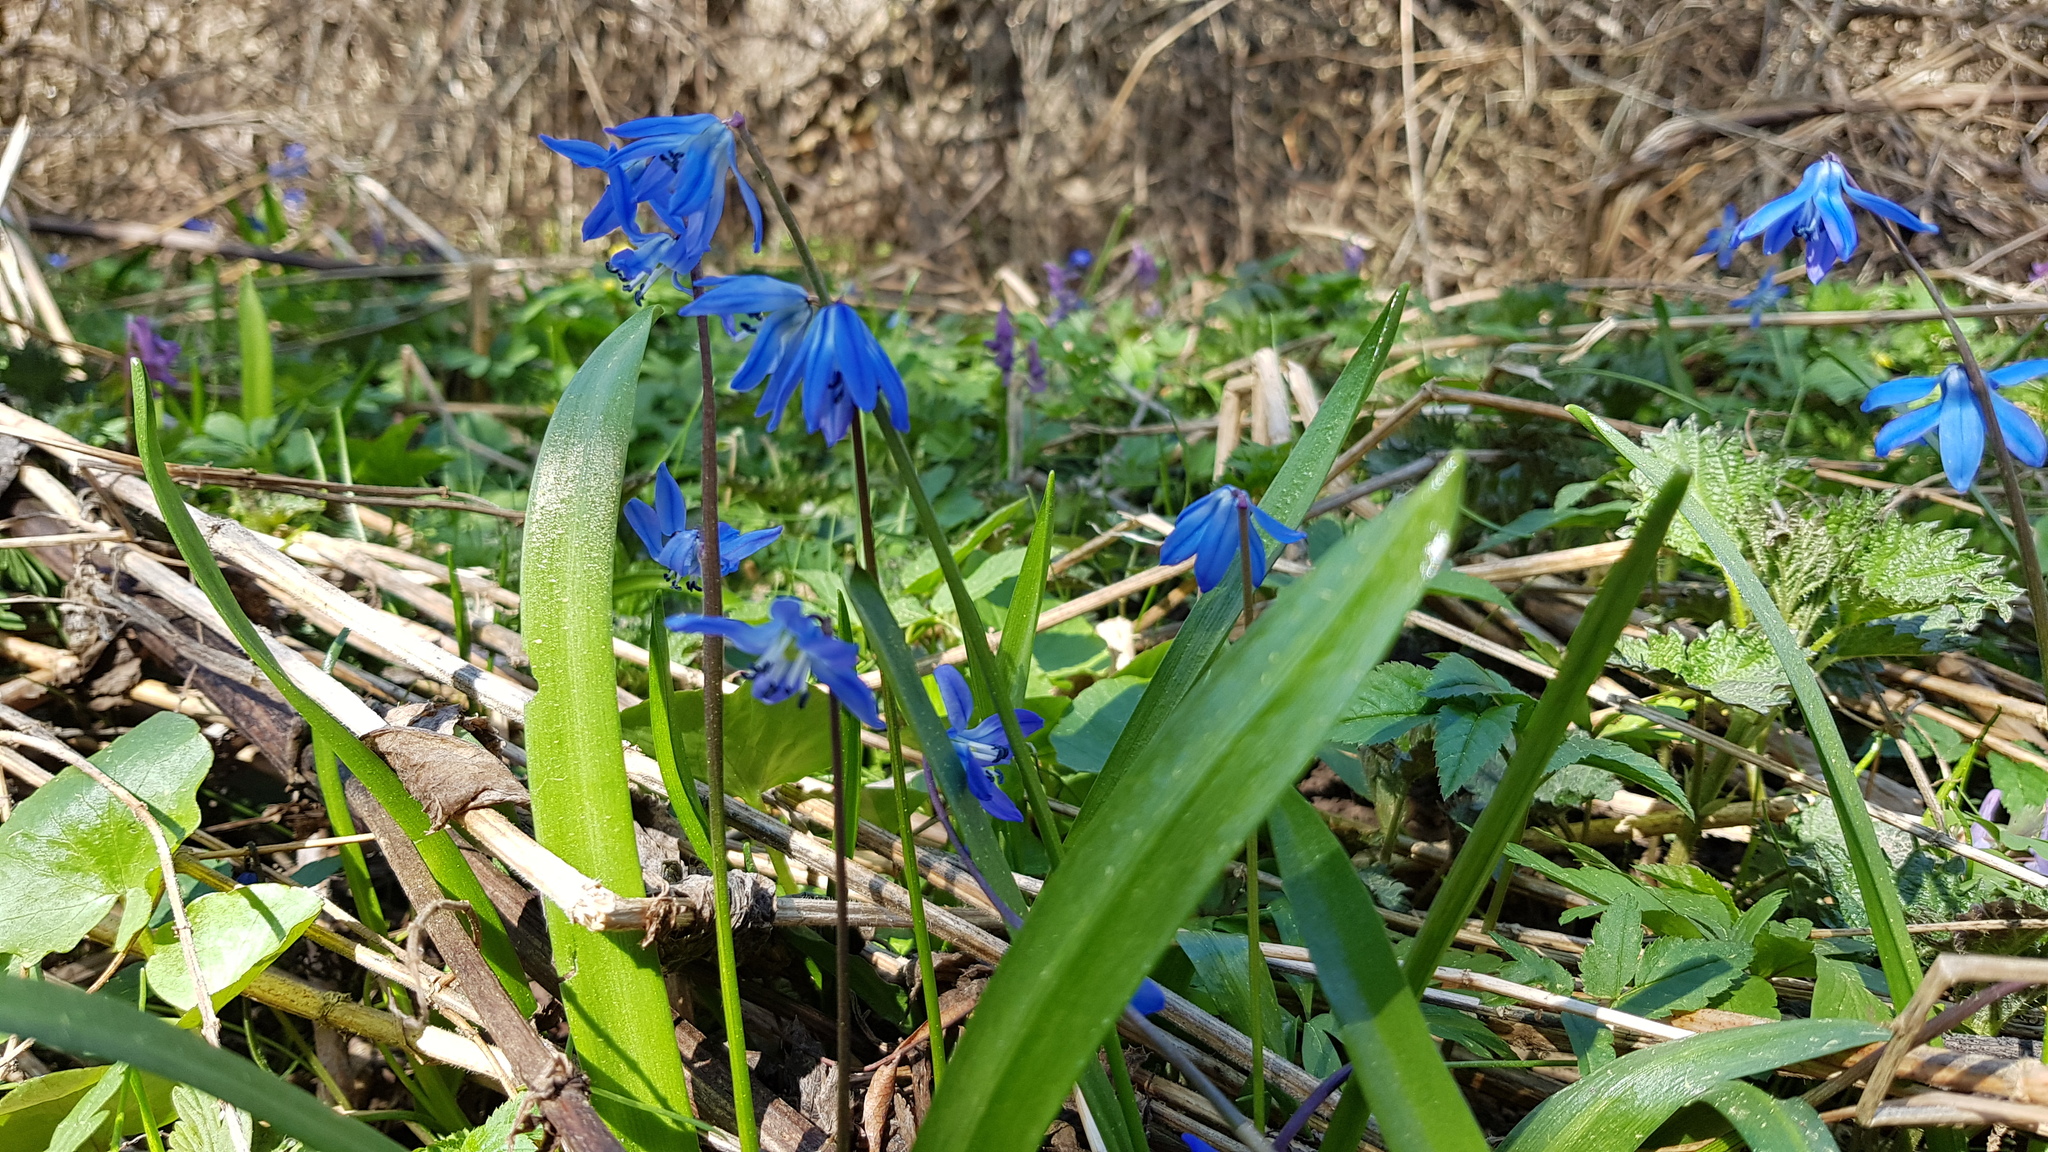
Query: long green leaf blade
pixel 1394 1060
pixel 1874 880
pixel 105 1028
pixel 449 867
pixel 1623 1102
pixel 1287 499
pixel 252 325
pixel 612 987
pixel 1020 623
pixel 1768 1124
pixel 1241 738
pixel 1563 698
pixel 940 763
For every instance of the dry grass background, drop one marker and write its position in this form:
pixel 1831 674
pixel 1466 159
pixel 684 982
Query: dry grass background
pixel 1545 137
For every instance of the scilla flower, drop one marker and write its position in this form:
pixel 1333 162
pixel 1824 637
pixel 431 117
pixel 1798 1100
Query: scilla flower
pixel 1721 241
pixel 1761 299
pixel 1003 345
pixel 982 746
pixel 791 650
pixel 1208 531
pixel 664 529
pixel 1956 421
pixel 828 351
pixel 156 353
pixel 1818 213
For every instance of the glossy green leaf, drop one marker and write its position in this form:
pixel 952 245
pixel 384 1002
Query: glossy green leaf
pixel 252 326
pixel 915 706
pixel 1240 739
pixel 1220 963
pixel 102 1027
pixel 1395 1062
pixel 766 745
pixel 1623 1102
pixel 1020 624
pixel 612 987
pixel 1564 698
pixel 1839 993
pixel 32 1110
pixel 1609 965
pixel 90 1113
pixel 1768 1124
pixel 449 867
pixel 1287 499
pixel 1874 879
pixel 71 851
pixel 236 935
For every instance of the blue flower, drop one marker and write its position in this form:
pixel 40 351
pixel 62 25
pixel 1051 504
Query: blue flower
pixel 157 354
pixel 1080 258
pixel 1818 213
pixel 1150 998
pixel 982 746
pixel 676 166
pixel 1760 301
pixel 1354 257
pixel 1003 345
pixel 1196 1143
pixel 1208 531
pixel 293 166
pixel 791 649
pixel 664 529
pixel 829 352
pixel 1956 421
pixel 1721 241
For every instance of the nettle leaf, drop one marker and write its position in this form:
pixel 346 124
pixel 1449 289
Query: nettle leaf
pixel 1389 703
pixel 1466 740
pixel 1899 567
pixel 1457 675
pixel 1575 785
pixel 1741 489
pixel 236 935
pixel 71 851
pixel 1735 666
pixel 1581 748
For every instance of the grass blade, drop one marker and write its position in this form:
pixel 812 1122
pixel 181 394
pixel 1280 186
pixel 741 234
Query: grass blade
pixel 1563 698
pixel 1622 1103
pixel 1768 1124
pixel 909 702
pixel 1241 739
pixel 1396 1063
pixel 253 328
pixel 1287 499
pixel 1020 624
pixel 446 862
pixel 612 987
pixel 1874 880
pixel 68 1019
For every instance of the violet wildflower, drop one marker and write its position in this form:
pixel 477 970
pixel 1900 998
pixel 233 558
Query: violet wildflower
pixel 664 529
pixel 1144 268
pixel 1818 213
pixel 1721 241
pixel 791 650
pixel 1987 811
pixel 1002 346
pixel 1760 300
pixel 828 351
pixel 1354 257
pixel 982 746
pixel 1957 422
pixel 1034 366
pixel 293 166
pixel 1066 300
pixel 1208 531
pixel 157 354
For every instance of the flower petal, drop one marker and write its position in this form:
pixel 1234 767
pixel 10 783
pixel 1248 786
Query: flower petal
pixel 997 803
pixel 956 695
pixel 1893 393
pixel 749 295
pixel 750 638
pixel 641 519
pixel 1275 528
pixel 2018 373
pixel 1909 429
pixel 581 153
pixel 735 546
pixel 1879 206
pixel 1961 430
pixel 2023 437
pixel 848 688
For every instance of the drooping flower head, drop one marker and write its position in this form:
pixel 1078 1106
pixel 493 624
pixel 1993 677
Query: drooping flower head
pixel 791 650
pixel 982 746
pixel 664 529
pixel 1956 422
pixel 1003 345
pixel 1208 531
pixel 1144 268
pixel 1818 213
pixel 157 354
pixel 1761 299
pixel 828 351
pixel 676 166
pixel 1034 366
pixel 1354 257
pixel 1721 241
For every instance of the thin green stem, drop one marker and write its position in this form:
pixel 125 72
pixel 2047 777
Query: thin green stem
pixel 351 513
pixel 796 234
pixel 354 868
pixel 1126 1095
pixel 913 883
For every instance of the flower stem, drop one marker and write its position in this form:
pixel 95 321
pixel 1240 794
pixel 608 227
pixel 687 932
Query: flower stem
pixel 712 661
pixel 2008 468
pixel 1255 960
pixel 842 1129
pixel 796 234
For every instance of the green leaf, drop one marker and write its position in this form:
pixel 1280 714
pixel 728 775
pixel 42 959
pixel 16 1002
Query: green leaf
pixel 1735 665
pixel 1084 736
pixel 1839 993
pixel 236 934
pixel 1241 738
pixel 940 762
pixel 1768 1124
pixel 90 1113
pixel 1872 870
pixel 1564 698
pixel 1458 675
pixel 1617 948
pixel 252 325
pixel 1466 740
pixel 1684 975
pixel 1020 624
pixel 1287 500
pixel 1220 964
pixel 389 459
pixel 1451 582
pixel 494 1134
pixel 1622 1103
pixel 1622 761
pixel 1389 703
pixel 1898 567
pixel 33 1110
pixel 616 1001
pixel 929 575
pixel 99 1026
pixel 71 851
pixel 1528 966
pixel 1462 1030
pixel 766 746
pixel 1395 1063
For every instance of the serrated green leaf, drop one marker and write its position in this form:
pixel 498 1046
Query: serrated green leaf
pixel 1466 740
pixel 1528 966
pixel 1898 567
pixel 1220 964
pixel 1839 993
pixel 1683 975
pixel 1458 675
pixel 494 1134
pixel 1389 703
pixel 1735 666
pixel 1623 761
pixel 1611 959
pixel 71 850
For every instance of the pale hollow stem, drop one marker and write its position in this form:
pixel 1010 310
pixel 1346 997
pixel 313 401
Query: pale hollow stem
pixel 1255 959
pixel 2008 468
pixel 712 661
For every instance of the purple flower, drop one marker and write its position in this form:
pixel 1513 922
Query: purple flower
pixel 156 353
pixel 1956 421
pixel 1034 366
pixel 1818 213
pixel 1208 531
pixel 664 529
pixel 791 649
pixel 1144 268
pixel 1065 299
pixel 1760 301
pixel 2038 270
pixel 1003 345
pixel 982 746
pixel 293 166
pixel 1080 258
pixel 1354 257
pixel 1988 810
